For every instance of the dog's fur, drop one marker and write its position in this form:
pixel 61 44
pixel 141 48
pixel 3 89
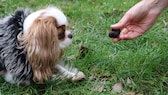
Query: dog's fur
pixel 32 44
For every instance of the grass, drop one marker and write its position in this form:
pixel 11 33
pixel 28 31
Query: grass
pixel 143 60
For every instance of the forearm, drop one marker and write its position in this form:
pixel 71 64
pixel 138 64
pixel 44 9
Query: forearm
pixel 158 5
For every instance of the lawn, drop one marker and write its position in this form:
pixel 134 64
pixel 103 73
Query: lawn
pixel 143 60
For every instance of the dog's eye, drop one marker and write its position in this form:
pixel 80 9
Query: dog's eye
pixel 61 35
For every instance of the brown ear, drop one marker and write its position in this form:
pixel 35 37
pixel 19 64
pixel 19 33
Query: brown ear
pixel 42 46
pixel 46 32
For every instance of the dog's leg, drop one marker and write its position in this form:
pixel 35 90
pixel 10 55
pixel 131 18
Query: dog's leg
pixel 7 76
pixel 69 72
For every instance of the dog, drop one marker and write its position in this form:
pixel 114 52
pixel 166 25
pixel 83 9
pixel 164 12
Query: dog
pixel 32 46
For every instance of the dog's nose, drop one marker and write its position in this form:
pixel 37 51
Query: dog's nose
pixel 70 36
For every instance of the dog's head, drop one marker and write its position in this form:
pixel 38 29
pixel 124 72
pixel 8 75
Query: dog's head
pixel 44 38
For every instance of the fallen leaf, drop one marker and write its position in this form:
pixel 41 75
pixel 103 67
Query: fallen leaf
pixel 117 88
pixel 72 27
pixel 94 69
pixel 99 87
pixel 155 44
pixel 128 81
pixel 93 77
pixel 83 50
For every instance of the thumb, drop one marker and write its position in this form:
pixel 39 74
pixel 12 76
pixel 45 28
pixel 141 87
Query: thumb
pixel 121 24
pixel 116 26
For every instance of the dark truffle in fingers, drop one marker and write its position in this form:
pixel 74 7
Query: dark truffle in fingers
pixel 114 33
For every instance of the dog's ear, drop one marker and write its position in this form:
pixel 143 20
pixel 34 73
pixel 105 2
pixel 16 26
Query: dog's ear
pixel 49 52
pixel 42 46
pixel 46 32
pixel 42 36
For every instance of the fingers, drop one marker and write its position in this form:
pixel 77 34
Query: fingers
pixel 127 35
pixel 116 39
pixel 122 23
pixel 122 35
pixel 130 35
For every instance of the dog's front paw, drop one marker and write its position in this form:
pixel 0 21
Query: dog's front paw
pixel 79 76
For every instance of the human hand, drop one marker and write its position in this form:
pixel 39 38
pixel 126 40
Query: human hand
pixel 136 21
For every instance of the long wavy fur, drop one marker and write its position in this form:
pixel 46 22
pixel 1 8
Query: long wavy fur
pixel 42 46
pixel 12 58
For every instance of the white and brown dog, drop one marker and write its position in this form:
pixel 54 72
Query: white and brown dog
pixel 32 44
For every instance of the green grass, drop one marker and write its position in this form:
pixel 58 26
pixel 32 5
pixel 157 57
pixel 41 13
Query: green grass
pixel 144 60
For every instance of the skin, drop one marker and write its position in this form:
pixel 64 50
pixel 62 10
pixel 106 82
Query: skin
pixel 139 19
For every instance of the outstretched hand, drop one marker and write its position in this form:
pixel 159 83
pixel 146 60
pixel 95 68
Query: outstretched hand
pixel 136 21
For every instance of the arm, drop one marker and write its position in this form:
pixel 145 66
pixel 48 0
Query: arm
pixel 139 19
